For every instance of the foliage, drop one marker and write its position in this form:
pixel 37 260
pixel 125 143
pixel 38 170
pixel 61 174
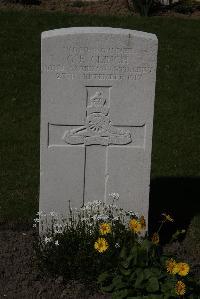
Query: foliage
pixel 105 243
pixel 188 249
pixel 145 272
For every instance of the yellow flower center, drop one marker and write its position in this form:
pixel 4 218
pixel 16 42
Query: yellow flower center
pixel 104 228
pixel 101 245
pixel 172 267
pixel 183 269
pixel 135 225
pixel 180 288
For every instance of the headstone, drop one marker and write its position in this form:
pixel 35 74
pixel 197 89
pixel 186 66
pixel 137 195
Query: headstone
pixel 97 106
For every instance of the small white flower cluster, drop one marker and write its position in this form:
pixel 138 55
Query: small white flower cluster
pixel 97 211
pixel 117 245
pixel 58 228
pixel 114 195
pixel 132 214
pixel 49 240
pixel 89 215
pixel 53 214
pixel 36 221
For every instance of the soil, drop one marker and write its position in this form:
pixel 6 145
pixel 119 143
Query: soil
pixel 20 278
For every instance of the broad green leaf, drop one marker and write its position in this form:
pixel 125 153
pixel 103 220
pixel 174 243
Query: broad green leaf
pixel 152 285
pixel 147 273
pixel 118 283
pixel 125 272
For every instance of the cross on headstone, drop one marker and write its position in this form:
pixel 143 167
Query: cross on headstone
pixel 97 136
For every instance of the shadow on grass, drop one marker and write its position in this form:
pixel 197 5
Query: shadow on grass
pixel 177 196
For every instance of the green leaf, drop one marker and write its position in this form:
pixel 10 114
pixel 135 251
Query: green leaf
pixel 124 264
pixel 120 294
pixel 123 253
pixel 118 283
pixel 102 277
pixel 134 254
pixel 147 273
pixel 139 280
pixel 125 272
pixel 108 289
pixel 167 288
pixel 146 244
pixel 153 272
pixel 152 285
pixel 133 277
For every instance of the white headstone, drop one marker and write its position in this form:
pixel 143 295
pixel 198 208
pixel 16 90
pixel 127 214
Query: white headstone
pixel 98 87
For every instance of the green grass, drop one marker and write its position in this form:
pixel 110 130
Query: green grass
pixel 176 140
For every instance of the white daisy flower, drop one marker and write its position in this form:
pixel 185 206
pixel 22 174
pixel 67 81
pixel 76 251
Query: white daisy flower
pixel 47 240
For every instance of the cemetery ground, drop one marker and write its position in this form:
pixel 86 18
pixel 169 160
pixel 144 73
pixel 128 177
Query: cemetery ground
pixel 175 157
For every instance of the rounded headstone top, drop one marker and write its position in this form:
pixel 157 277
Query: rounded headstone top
pixel 96 30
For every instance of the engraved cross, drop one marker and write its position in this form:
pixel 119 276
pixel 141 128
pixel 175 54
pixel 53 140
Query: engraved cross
pixel 97 136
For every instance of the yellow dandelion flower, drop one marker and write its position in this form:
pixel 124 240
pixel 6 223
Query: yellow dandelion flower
pixel 142 222
pixel 183 269
pixel 101 245
pixel 104 228
pixel 180 288
pixel 168 217
pixel 172 267
pixel 155 238
pixel 135 225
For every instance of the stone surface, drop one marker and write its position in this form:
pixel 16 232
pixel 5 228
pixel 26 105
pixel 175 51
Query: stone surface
pixel 97 105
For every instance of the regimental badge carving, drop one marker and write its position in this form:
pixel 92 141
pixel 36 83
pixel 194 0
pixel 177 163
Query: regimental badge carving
pixel 98 128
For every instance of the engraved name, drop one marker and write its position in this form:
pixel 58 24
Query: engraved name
pixel 115 59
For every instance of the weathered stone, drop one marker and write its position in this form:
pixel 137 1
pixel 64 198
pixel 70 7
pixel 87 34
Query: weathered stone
pixel 97 105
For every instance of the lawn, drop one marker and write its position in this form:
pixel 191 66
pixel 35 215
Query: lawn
pixel 176 139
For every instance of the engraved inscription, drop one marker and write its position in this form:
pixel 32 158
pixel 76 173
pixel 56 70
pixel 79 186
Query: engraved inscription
pixel 98 128
pixel 112 76
pixel 100 59
pixel 109 64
